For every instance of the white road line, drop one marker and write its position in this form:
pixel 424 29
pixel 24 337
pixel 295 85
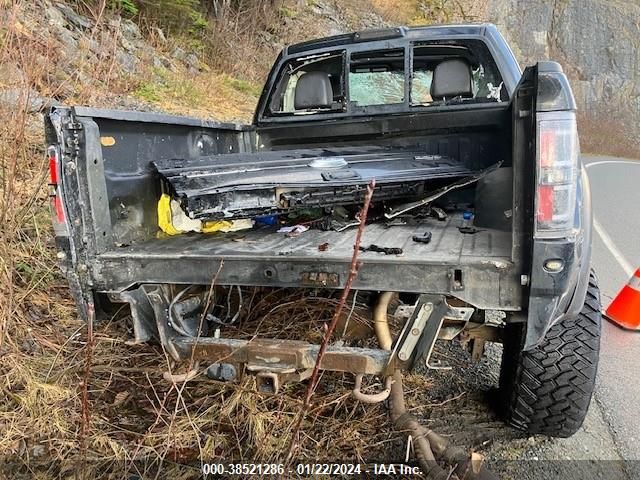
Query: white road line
pixel 606 239
pixel 617 254
pixel 604 162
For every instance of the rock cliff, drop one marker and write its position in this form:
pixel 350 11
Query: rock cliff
pixel 598 44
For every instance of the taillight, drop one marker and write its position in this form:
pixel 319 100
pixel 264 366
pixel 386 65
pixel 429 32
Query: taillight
pixel 53 167
pixel 55 193
pixel 557 171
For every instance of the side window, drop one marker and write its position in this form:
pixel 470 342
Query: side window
pixel 310 85
pixel 376 78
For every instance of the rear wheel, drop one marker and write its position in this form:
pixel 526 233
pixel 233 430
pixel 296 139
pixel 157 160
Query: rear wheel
pixel 548 389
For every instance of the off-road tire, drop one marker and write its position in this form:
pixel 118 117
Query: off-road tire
pixel 548 389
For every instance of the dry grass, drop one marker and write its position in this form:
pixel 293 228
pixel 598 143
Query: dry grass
pixel 246 34
pixel 425 12
pixel 608 134
pixel 201 94
pixel 139 423
pixel 397 12
pixel 38 400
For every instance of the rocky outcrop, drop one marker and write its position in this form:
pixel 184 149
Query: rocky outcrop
pixel 80 54
pixel 598 44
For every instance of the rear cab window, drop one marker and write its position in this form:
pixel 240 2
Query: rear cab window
pixel 343 82
pixel 291 95
pixel 377 78
pixel 486 83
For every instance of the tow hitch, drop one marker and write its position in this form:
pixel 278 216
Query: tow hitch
pixel 276 362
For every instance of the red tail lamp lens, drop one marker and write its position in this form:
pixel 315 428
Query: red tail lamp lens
pixel 53 169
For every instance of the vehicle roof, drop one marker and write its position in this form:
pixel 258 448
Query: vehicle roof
pixel 412 33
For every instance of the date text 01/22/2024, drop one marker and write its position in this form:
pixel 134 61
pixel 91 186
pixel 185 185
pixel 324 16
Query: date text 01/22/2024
pixel 248 469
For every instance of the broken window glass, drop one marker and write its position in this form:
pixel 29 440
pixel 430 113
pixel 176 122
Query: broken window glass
pixel 377 78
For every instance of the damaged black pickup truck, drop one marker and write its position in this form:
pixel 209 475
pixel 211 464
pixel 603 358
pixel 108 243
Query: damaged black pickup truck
pixel 480 218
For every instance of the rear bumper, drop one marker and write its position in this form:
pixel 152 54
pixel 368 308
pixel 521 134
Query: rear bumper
pixel 485 284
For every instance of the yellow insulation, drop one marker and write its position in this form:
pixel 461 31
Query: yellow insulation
pixel 219 226
pixel 168 219
pixel 164 216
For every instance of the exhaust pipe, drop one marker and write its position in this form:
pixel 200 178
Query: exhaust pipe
pixel 428 444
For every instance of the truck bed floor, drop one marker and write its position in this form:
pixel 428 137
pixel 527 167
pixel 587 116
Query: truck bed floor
pixel 448 245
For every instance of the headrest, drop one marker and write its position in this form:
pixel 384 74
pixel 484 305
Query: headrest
pixel 451 78
pixel 313 90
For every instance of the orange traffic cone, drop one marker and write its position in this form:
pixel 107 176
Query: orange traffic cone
pixel 625 308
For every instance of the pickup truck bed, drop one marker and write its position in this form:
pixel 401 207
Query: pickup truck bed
pixel 503 156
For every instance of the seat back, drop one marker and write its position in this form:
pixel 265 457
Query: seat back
pixel 313 90
pixel 451 78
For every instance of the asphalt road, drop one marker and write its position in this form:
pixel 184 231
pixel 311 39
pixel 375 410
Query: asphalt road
pixel 616 201
pixel 612 428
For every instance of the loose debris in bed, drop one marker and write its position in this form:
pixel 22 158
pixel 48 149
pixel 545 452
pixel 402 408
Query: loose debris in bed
pixel 385 250
pixel 469 230
pixel 176 214
pixel 407 207
pixel 424 238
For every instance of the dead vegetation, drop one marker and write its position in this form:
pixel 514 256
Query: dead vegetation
pixel 141 423
pixel 36 318
pixel 133 422
pixel 608 133
pixel 426 12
